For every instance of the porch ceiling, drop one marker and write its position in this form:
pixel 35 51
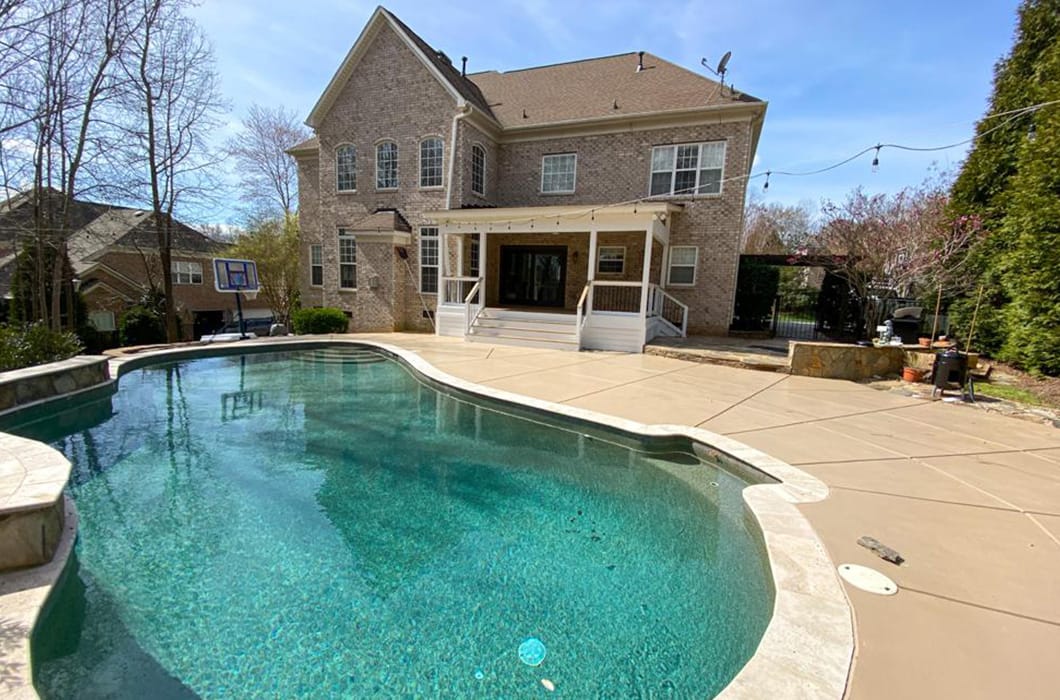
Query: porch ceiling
pixel 653 216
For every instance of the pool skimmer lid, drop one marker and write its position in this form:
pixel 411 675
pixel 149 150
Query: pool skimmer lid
pixel 867 579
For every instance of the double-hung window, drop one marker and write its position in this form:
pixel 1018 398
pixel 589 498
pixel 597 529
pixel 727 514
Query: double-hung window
pixel 559 173
pixel 386 166
pixel 429 260
pixel 316 265
pixel 690 168
pixel 186 272
pixel 611 260
pixel 346 168
pixel 473 265
pixel 347 259
pixel 478 170
pixel 682 267
pixel 431 162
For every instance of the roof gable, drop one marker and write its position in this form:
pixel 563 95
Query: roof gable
pixel 459 87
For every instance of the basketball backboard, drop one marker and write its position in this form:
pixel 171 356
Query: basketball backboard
pixel 231 275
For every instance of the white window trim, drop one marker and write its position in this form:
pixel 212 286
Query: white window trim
pixel 337 149
pixel 345 235
pixel 673 169
pixel 185 267
pixel 574 184
pixel 481 148
pixel 441 167
pixel 437 237
pixel 397 168
pixel 312 264
pixel 670 267
pixel 600 249
pixel 474 265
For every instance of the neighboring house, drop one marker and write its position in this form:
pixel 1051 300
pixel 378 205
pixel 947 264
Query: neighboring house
pixel 595 204
pixel 114 254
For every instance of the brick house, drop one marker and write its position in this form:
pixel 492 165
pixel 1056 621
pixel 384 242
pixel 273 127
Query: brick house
pixel 592 204
pixel 114 254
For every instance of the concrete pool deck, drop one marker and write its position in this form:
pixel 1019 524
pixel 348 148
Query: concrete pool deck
pixel 971 501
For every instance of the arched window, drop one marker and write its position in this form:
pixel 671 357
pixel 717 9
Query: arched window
pixel 478 170
pixel 346 168
pixel 386 166
pixel 431 162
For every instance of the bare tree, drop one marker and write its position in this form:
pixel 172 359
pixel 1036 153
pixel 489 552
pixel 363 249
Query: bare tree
pixel 267 175
pixel 775 228
pixel 176 101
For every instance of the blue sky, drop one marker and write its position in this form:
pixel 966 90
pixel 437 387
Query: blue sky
pixel 838 75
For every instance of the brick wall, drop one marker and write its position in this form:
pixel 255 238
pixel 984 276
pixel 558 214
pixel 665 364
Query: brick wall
pixel 391 95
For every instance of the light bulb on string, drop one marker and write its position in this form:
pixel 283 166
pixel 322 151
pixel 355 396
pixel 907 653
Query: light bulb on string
pixel 876 160
pixel 766 186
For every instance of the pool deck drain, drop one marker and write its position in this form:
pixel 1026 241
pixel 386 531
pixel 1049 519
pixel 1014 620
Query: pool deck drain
pixel 978 621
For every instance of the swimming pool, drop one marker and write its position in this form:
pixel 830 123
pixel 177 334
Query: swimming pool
pixel 326 523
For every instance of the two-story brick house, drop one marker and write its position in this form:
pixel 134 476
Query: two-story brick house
pixel 592 204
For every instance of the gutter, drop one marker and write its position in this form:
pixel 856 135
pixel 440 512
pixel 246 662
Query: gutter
pixel 464 111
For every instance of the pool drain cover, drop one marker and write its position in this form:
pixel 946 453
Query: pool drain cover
pixel 532 652
pixel 867 579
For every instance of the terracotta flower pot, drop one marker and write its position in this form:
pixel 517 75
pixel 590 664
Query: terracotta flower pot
pixel 912 374
pixel 925 342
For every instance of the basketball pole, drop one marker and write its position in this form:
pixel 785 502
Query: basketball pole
pixel 242 321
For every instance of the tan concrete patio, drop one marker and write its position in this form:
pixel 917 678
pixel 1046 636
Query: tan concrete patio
pixel 971 501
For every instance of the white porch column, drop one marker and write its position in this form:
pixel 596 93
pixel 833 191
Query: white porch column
pixel 459 256
pixel 591 275
pixel 482 267
pixel 644 278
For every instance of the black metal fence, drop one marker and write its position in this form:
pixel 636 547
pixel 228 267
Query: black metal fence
pixel 795 315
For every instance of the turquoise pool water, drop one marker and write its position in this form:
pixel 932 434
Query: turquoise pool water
pixel 322 523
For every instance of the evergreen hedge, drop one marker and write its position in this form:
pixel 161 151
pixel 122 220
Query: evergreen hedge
pixel 326 320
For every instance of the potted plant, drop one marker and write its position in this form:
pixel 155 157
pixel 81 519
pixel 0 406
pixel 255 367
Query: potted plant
pixel 912 374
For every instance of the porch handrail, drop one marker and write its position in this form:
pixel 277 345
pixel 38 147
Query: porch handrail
pixel 659 297
pixel 615 283
pixel 468 320
pixel 447 286
pixel 582 317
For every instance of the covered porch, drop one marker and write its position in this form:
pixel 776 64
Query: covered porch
pixel 569 277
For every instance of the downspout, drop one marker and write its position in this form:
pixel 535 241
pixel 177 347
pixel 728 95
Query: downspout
pixel 464 110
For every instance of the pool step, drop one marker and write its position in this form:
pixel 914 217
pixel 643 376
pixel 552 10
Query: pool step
pixel 338 356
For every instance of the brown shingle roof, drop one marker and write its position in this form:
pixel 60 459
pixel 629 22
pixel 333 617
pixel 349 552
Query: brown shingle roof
pixel 589 89
pixel 385 220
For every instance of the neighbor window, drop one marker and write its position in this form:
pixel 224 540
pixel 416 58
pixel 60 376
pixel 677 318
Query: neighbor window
pixel 346 168
pixel 431 162
pixel 558 173
pixel 478 170
pixel 186 272
pixel 347 260
pixel 683 264
pixel 473 267
pixel 611 259
pixel 386 166
pixel 429 260
pixel 316 265
pixel 691 168
pixel 102 321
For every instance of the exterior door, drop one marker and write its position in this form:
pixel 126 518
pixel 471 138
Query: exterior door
pixel 533 275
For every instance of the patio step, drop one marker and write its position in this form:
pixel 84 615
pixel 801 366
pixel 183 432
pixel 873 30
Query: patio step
pixel 528 329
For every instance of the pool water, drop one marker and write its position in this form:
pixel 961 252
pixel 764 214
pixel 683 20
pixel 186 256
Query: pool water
pixel 323 523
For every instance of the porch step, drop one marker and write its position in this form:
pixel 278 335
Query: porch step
pixel 528 329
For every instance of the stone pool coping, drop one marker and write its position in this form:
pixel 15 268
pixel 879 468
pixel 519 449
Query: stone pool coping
pixel 807 648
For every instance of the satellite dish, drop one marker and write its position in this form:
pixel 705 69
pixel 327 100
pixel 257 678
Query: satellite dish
pixel 723 63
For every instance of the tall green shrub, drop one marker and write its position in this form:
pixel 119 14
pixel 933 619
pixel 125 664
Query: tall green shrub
pixel 327 320
pixel 141 325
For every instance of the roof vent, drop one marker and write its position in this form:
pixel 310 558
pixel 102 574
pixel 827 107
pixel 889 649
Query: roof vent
pixel 463 66
pixel 640 61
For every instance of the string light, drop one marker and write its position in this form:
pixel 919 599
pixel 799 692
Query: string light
pixel 876 160
pixel 766 186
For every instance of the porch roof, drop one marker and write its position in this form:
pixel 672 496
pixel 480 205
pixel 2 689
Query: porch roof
pixel 642 216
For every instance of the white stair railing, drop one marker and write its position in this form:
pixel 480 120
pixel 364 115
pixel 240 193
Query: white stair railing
pixel 668 309
pixel 470 299
pixel 582 316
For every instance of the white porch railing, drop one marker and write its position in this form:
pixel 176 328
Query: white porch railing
pixel 455 290
pixel 620 297
pixel 667 309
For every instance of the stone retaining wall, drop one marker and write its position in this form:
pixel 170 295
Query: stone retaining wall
pixel 841 361
pixel 22 387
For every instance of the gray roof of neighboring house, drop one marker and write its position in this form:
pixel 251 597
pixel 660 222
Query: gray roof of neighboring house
pixel 95 229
